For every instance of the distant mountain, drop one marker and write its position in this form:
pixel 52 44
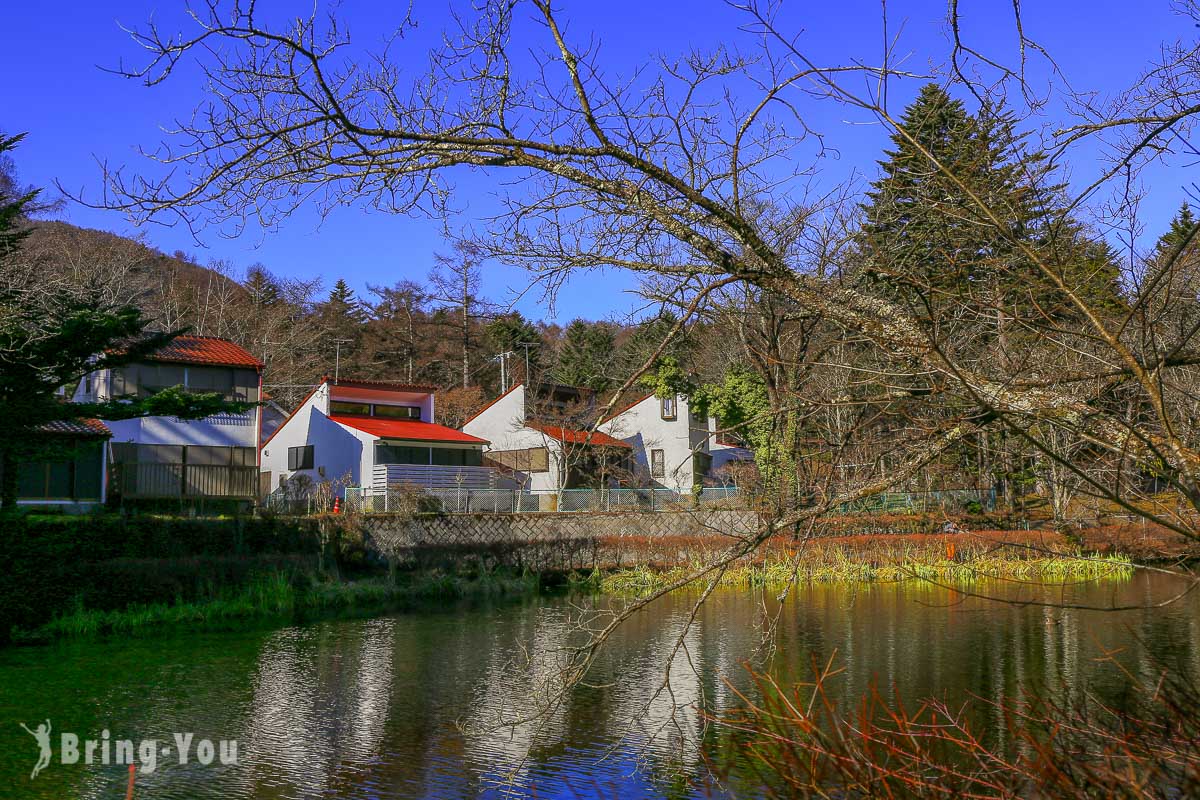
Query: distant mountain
pixel 128 267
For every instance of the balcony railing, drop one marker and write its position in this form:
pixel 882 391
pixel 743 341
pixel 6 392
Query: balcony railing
pixel 438 477
pixel 145 481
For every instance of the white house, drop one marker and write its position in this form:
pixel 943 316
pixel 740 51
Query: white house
pixel 727 451
pixel 373 434
pixel 538 437
pixel 165 457
pixel 670 446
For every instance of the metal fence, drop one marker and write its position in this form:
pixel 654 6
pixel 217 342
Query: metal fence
pixel 368 500
pixel 514 501
pixel 918 502
pixel 141 480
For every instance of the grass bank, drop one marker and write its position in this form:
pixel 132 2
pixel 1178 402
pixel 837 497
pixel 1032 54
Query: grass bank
pixel 280 597
pixel 877 562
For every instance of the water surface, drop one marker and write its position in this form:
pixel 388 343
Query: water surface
pixel 407 705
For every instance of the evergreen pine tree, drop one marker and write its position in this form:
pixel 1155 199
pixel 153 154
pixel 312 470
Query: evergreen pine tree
pixel 342 303
pixel 586 358
pixel 928 245
pixel 509 333
pixel 1181 232
pixel 262 287
pixel 645 340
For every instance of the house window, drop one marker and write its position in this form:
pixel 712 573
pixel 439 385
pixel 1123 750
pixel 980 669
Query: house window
pixel 539 459
pixel 400 454
pixel 668 407
pixel 153 378
pixel 76 477
pixel 532 459
pixel 658 464
pixel 213 379
pixel 300 457
pixel 356 409
pixel 457 457
pixel 398 412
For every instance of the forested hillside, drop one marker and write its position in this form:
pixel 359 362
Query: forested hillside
pixel 436 330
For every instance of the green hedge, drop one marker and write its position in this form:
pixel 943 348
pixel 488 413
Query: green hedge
pixel 52 564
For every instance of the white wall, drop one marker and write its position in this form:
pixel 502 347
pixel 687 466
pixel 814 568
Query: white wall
pixel 503 424
pixel 643 427
pixel 336 450
pixel 221 430
pixel 225 430
pixel 723 454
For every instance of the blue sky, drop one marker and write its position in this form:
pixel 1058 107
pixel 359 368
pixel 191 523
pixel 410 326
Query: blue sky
pixel 76 114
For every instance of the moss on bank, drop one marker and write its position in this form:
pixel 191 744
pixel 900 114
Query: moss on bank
pixel 278 597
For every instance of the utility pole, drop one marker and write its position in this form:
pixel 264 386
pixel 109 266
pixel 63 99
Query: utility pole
pixel 265 345
pixel 526 346
pixel 337 357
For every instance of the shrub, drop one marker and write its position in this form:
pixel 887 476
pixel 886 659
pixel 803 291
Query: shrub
pixel 108 561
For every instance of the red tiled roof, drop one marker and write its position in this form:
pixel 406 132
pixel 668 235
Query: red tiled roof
pixel 205 350
pixel 75 427
pixel 407 429
pixel 572 436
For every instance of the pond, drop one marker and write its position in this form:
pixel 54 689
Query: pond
pixel 407 705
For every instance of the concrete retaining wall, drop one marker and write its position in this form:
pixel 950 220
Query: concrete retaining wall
pixel 579 541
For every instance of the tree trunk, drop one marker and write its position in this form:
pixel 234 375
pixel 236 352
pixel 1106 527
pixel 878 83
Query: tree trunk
pixel 466 342
pixel 411 346
pixel 8 481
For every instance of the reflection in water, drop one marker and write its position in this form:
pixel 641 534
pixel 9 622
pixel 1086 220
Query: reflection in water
pixel 408 705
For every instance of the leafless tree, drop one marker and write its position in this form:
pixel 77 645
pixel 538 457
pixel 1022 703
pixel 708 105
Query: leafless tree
pixel 455 284
pixel 687 173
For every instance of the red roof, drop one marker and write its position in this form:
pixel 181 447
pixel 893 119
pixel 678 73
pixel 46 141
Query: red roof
pixel 572 436
pixel 205 350
pixel 407 429
pixel 75 427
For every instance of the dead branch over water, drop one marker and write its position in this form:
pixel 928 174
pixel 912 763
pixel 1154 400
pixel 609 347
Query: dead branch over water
pixel 994 333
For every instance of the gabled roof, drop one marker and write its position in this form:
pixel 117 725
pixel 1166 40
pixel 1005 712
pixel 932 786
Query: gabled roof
pixel 75 427
pixel 205 350
pixel 491 403
pixel 574 436
pixel 409 429
pixel 626 407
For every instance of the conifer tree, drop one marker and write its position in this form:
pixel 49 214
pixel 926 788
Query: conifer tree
pixel 49 340
pixel 928 244
pixel 645 340
pixel 586 358
pixel 511 333
pixel 262 287
pixel 1180 234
